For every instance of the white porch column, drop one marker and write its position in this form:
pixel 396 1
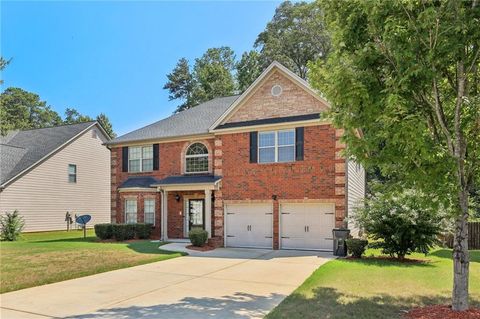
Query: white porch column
pixel 208 212
pixel 164 220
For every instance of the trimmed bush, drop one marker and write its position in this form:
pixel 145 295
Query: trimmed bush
pixel 198 237
pixel 11 225
pixel 104 231
pixel 356 246
pixel 123 231
pixel 143 231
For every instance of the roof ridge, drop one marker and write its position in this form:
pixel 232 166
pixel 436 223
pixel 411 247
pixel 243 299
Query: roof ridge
pixel 54 126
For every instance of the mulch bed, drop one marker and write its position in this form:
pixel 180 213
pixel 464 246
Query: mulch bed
pixel 203 248
pixel 443 312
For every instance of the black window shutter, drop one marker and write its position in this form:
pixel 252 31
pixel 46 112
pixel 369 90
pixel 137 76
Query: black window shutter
pixel 156 157
pixel 299 143
pixel 253 147
pixel 125 159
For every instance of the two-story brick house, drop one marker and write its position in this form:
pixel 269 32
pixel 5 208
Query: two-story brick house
pixel 262 169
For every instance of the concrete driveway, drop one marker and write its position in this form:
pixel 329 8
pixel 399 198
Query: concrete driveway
pixel 224 283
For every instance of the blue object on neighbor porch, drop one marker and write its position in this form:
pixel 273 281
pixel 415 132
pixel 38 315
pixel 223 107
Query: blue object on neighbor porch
pixel 82 221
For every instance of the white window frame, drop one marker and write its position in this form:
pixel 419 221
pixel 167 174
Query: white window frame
pixel 145 212
pixel 196 156
pixel 141 147
pixel 74 174
pixel 136 210
pixel 276 146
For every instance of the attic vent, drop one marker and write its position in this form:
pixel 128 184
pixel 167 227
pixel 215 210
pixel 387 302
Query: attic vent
pixel 94 134
pixel 276 90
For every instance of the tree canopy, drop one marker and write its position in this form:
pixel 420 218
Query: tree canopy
pixel 295 36
pixel 20 110
pixel 211 76
pixel 407 74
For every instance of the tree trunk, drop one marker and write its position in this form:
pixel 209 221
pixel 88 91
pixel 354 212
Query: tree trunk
pixel 461 259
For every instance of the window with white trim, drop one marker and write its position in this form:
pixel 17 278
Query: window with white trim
pixel 140 159
pixel 72 173
pixel 149 211
pixel 276 146
pixel 130 211
pixel 196 158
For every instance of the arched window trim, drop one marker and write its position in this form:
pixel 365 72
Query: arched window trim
pixel 196 156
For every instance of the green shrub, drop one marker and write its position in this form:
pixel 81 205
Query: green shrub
pixel 401 223
pixel 104 231
pixel 123 231
pixel 11 225
pixel 356 246
pixel 198 237
pixel 143 231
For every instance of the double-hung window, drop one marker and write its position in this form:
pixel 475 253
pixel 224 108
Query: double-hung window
pixel 276 146
pixel 149 211
pixel 130 211
pixel 140 159
pixel 72 173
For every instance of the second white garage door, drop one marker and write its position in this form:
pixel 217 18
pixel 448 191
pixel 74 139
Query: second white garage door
pixel 307 226
pixel 249 225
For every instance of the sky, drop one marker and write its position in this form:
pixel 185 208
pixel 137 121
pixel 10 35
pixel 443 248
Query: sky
pixel 113 56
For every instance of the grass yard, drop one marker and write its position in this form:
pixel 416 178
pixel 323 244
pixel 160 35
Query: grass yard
pixel 42 258
pixel 348 288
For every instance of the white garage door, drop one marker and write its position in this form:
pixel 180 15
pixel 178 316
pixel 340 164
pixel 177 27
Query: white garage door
pixel 307 226
pixel 249 225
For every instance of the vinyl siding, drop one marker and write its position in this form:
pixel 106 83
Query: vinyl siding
pixel 44 195
pixel 355 191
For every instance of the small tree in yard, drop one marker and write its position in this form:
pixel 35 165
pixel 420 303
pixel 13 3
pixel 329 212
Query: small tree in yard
pixel 407 73
pixel 402 223
pixel 11 225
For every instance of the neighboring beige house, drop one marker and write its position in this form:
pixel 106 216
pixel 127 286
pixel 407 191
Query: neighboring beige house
pixel 46 172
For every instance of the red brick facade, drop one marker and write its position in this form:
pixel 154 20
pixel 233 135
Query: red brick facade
pixel 320 176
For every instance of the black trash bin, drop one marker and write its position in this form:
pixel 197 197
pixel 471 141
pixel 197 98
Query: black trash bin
pixel 340 236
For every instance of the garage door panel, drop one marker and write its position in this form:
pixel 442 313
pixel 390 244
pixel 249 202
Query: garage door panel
pixel 249 225
pixel 307 225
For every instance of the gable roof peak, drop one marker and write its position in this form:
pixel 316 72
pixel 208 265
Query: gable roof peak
pixel 275 65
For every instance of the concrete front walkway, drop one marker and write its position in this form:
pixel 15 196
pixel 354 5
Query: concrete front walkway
pixel 224 283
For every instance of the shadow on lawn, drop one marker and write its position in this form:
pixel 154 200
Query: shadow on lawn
pixel 330 303
pixel 236 306
pixel 447 253
pixel 387 262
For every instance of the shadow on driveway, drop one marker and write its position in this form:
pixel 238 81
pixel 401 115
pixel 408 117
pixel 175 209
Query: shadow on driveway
pixel 237 306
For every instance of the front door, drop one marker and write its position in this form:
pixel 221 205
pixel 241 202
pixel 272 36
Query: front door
pixel 196 213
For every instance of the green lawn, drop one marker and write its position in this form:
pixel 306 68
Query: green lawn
pixel 42 258
pixel 369 288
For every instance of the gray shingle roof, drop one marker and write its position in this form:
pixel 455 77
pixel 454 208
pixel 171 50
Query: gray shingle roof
pixel 20 150
pixel 138 181
pixel 186 179
pixel 196 120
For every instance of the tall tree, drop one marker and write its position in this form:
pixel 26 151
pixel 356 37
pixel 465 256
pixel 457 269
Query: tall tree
pixel 106 124
pixel 213 74
pixel 212 77
pixel 248 69
pixel 72 116
pixel 181 85
pixel 20 109
pixel 295 36
pixel 407 73
pixel 3 65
